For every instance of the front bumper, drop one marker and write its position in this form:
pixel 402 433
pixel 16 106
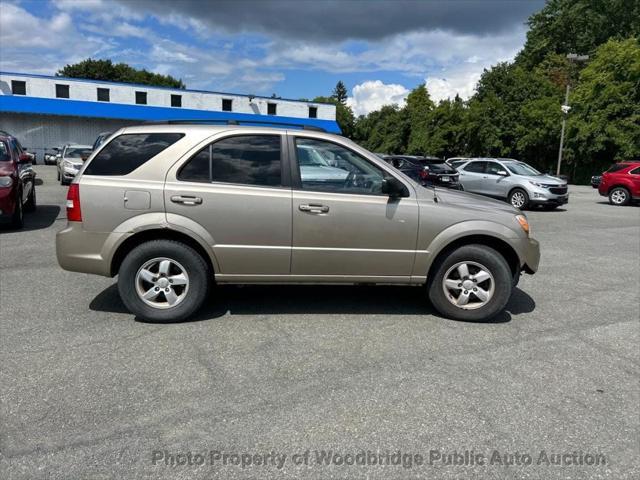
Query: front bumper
pixel 548 199
pixel 531 256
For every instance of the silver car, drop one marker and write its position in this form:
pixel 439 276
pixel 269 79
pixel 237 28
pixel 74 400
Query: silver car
pixel 70 161
pixel 511 180
pixel 173 208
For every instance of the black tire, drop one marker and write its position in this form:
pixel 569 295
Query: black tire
pixel 490 259
pixel 31 205
pixel 58 175
pixel 619 196
pixel 194 265
pixel 17 220
pixel 514 194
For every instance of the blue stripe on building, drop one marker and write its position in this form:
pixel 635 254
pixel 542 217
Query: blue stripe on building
pixel 79 108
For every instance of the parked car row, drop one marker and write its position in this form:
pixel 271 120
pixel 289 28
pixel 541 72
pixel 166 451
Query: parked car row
pixel 427 171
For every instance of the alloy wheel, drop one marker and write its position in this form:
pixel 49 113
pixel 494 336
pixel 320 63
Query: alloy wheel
pixel 518 200
pixel 468 285
pixel 162 283
pixel 618 197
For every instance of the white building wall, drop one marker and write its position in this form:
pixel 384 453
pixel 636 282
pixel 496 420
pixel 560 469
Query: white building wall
pixel 45 87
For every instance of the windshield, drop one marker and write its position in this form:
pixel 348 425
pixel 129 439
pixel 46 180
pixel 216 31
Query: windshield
pixel 4 153
pixel 518 168
pixel 77 153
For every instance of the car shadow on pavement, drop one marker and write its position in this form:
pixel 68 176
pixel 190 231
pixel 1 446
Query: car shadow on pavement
pixel 43 217
pixel 315 299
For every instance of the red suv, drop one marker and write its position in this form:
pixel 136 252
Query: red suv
pixel 17 181
pixel 621 183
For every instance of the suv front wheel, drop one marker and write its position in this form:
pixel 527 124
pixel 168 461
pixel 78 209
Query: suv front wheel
pixel 472 283
pixel 163 281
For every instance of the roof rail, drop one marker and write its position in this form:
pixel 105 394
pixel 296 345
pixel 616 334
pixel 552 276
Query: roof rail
pixel 235 122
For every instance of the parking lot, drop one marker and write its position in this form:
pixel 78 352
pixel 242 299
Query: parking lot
pixel 89 392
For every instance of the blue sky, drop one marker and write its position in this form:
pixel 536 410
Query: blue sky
pixel 380 49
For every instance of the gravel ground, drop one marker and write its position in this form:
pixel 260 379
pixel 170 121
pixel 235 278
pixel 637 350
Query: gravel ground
pixel 271 371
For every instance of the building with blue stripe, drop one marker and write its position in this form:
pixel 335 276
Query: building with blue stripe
pixel 45 112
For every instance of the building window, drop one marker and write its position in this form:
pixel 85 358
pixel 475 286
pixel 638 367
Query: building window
pixel 103 94
pixel 176 100
pixel 271 108
pixel 227 105
pixel 141 98
pixel 313 112
pixel 62 91
pixel 18 87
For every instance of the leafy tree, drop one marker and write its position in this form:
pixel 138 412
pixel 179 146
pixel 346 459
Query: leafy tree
pixel 384 130
pixel 578 26
pixel 119 72
pixel 604 123
pixel 419 106
pixel 340 92
pixel 446 125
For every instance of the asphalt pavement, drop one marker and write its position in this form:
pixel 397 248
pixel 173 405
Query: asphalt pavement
pixel 323 381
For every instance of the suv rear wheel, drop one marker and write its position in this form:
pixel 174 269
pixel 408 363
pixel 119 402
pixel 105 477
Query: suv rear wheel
pixel 619 196
pixel 472 283
pixel 163 281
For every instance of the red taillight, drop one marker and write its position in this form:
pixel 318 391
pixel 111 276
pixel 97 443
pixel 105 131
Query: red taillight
pixel 424 173
pixel 74 214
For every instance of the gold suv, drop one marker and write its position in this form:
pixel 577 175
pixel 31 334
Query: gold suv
pixel 174 208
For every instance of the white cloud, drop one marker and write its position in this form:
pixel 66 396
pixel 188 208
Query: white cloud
pixel 373 95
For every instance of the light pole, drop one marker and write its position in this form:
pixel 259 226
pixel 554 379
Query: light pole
pixel 565 107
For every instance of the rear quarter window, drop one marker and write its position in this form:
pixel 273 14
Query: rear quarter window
pixel 126 152
pixel 616 167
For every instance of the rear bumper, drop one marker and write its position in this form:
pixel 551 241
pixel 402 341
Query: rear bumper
pixel 80 251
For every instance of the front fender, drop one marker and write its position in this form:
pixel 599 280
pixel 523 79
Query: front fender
pixel 457 231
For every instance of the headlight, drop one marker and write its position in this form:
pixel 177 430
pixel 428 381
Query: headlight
pixel 524 223
pixel 6 181
pixel 536 184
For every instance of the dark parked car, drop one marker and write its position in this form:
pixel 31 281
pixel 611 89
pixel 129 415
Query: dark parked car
pixel 17 181
pixel 427 171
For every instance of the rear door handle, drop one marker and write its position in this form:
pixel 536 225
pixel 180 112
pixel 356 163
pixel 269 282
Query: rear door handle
pixel 186 200
pixel 313 208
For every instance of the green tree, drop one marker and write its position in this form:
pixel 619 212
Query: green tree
pixel 419 106
pixel 447 129
pixel 340 92
pixel 384 131
pixel 578 26
pixel 604 122
pixel 119 72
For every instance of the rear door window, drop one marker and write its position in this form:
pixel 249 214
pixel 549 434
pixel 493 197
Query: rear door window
pixel 125 153
pixel 241 159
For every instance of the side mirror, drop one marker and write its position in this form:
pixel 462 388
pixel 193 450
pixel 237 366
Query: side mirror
pixel 394 188
pixel 502 173
pixel 25 158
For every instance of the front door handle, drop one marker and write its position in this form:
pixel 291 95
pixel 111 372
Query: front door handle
pixel 186 200
pixel 314 208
